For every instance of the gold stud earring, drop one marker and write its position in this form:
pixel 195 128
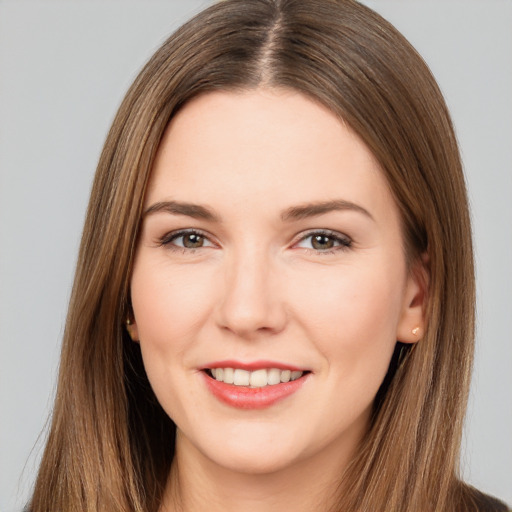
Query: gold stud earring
pixel 416 331
pixel 130 327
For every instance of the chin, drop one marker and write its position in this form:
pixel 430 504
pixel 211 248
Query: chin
pixel 251 449
pixel 253 462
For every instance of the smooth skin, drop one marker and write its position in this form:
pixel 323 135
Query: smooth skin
pixel 296 256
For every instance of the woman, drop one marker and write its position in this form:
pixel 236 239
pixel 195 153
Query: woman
pixel 272 304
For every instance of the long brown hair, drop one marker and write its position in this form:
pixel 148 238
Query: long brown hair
pixel 111 445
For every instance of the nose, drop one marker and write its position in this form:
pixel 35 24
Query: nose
pixel 251 304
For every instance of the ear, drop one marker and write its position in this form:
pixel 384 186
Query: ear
pixel 412 323
pixel 131 327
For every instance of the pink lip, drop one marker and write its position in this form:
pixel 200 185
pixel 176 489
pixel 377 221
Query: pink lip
pixel 255 365
pixel 243 397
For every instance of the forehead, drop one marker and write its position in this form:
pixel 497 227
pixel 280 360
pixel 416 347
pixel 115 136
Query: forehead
pixel 233 148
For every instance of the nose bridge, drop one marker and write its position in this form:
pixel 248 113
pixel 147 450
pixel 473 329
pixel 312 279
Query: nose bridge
pixel 251 303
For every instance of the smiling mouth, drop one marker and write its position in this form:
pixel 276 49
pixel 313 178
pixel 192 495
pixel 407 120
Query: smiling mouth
pixel 254 379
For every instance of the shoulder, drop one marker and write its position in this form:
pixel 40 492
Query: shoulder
pixel 488 503
pixel 477 501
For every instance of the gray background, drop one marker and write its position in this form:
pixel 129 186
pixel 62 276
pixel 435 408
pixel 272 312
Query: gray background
pixel 64 67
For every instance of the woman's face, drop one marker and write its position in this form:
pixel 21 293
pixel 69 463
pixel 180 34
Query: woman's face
pixel 270 248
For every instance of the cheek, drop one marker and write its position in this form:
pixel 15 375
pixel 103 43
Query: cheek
pixel 169 307
pixel 168 303
pixel 351 298
pixel 351 313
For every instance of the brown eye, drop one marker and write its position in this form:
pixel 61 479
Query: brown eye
pixel 192 240
pixel 185 240
pixel 325 241
pixel 322 242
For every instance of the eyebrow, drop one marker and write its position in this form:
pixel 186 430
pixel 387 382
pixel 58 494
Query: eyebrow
pixel 320 208
pixel 303 211
pixel 195 211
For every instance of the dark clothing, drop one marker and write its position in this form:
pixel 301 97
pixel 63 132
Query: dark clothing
pixel 484 503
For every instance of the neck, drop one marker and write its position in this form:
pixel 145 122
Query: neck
pixel 196 484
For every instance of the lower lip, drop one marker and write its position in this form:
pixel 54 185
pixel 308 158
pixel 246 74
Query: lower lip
pixel 243 397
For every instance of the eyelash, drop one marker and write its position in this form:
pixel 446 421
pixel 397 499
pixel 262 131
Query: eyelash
pixel 343 241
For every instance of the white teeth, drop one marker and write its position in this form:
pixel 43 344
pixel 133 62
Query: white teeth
pixel 273 377
pixel 256 379
pixel 241 377
pixel 229 375
pixel 295 375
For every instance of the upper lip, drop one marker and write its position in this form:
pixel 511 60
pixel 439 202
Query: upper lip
pixel 253 365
